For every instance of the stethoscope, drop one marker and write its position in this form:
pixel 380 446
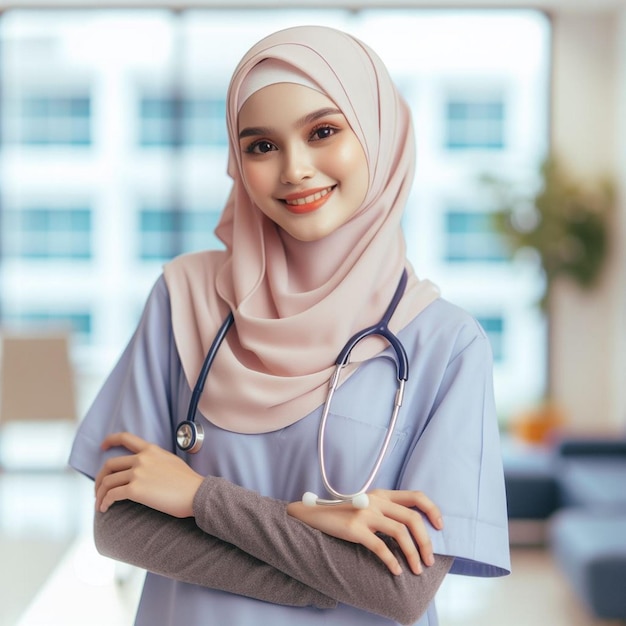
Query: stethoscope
pixel 190 435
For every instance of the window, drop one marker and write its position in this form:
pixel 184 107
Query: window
pixel 469 237
pixel 48 233
pixel 475 124
pixel 79 322
pixel 165 233
pixel 157 115
pixel 189 122
pixel 45 120
pixel 205 122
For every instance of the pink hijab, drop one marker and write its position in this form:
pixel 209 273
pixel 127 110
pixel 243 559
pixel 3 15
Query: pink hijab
pixel 297 303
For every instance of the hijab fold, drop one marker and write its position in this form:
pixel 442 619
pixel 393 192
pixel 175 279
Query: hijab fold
pixel 297 303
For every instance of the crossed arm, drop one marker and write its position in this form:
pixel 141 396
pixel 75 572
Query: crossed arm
pixel 163 520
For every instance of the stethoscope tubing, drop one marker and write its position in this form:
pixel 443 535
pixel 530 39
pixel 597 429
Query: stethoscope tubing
pixel 359 498
pixel 190 435
pixel 381 329
pixel 339 497
pixel 206 366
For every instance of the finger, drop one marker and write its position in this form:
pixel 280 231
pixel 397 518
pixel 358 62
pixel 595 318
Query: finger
pixel 110 477
pixel 112 465
pixel 421 501
pixel 117 494
pixel 416 533
pixel 113 488
pixel 381 550
pixel 400 533
pixel 421 536
pixel 429 508
pixel 413 556
pixel 127 440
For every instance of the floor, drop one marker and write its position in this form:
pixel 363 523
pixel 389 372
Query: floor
pixel 50 574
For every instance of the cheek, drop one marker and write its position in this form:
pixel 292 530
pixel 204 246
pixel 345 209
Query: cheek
pixel 350 163
pixel 255 178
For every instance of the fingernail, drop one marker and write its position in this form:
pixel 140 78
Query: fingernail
pixel 440 523
pixel 397 570
pixel 429 560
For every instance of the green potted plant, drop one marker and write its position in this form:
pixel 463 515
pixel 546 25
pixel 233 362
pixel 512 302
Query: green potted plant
pixel 564 222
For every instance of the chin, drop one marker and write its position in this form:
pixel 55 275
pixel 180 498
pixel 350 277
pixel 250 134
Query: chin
pixel 308 237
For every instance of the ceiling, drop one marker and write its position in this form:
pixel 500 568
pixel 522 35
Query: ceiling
pixel 589 6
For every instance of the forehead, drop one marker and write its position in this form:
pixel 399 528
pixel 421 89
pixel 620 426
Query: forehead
pixel 281 104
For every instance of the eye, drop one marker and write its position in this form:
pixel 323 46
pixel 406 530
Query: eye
pixel 260 147
pixel 323 131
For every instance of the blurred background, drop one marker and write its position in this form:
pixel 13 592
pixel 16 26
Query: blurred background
pixel 112 161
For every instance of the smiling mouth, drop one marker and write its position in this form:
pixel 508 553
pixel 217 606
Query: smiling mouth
pixel 307 203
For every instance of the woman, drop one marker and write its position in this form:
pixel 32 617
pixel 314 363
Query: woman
pixel 321 156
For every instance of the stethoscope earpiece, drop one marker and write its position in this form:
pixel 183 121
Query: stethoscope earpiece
pixel 361 501
pixel 358 501
pixel 309 498
pixel 189 436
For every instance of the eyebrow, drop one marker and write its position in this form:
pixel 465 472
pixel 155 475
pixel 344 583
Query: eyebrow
pixel 253 131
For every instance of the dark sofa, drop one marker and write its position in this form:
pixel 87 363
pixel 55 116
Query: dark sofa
pixel 592 473
pixel 588 533
pixel 532 489
pixel 578 487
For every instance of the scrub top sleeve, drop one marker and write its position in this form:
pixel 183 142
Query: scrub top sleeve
pixel 136 395
pixel 457 463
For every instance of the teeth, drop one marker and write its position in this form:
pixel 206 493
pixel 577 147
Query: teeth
pixel 307 199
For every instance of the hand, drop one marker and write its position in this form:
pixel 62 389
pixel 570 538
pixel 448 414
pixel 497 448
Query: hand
pixel 150 476
pixel 390 512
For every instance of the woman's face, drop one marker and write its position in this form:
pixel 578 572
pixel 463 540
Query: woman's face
pixel 303 166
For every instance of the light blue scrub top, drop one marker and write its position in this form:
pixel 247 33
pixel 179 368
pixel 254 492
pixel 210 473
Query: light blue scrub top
pixel 446 444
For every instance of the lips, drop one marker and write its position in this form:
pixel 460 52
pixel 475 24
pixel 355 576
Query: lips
pixel 308 200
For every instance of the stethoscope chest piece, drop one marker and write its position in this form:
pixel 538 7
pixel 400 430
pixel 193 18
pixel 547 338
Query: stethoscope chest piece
pixel 189 436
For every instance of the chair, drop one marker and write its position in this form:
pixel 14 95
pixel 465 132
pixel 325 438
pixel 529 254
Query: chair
pixel 37 400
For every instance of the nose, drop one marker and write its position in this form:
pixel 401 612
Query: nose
pixel 297 164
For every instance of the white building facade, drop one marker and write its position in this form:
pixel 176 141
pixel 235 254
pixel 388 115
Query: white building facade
pixel 113 159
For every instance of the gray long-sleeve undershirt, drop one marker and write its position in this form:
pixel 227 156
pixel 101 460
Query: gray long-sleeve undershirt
pixel 254 548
